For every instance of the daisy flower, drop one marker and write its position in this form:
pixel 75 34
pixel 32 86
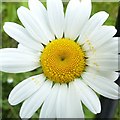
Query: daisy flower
pixel 78 56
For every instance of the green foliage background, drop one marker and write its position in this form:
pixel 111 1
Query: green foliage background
pixel 8 11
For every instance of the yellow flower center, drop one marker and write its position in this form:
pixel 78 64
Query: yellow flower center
pixel 62 60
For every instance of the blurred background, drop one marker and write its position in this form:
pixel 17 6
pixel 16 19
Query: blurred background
pixel 8 11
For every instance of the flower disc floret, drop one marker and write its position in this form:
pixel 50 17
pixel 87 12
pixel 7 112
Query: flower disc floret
pixel 62 60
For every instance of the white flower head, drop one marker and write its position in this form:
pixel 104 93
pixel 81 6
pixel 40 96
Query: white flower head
pixel 78 56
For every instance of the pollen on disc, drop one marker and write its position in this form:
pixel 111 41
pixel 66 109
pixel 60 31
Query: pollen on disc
pixel 62 60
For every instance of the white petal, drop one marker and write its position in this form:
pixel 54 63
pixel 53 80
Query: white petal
pixel 61 101
pixel 99 37
pixel 20 34
pixel 56 16
pixel 25 89
pixel 103 61
pixel 48 109
pixel 88 97
pixel 104 64
pixel 15 61
pixel 102 85
pixel 29 51
pixel 73 105
pixel 107 74
pixel 31 105
pixel 118 45
pixel 77 14
pixel 92 25
pixel 103 56
pixel 31 25
pixel 40 14
pixel 110 47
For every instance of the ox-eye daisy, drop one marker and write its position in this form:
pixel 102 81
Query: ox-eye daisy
pixel 78 56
